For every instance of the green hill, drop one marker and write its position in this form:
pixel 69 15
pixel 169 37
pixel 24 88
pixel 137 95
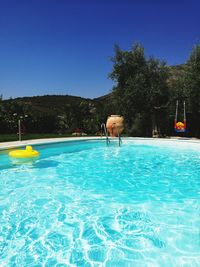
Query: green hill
pixel 54 113
pixel 46 103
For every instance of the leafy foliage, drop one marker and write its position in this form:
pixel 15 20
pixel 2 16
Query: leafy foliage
pixel 141 85
pixel 53 114
pixel 145 93
pixel 192 87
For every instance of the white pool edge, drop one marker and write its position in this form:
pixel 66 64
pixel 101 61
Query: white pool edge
pixel 15 144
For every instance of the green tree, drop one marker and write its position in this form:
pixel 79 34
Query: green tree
pixel 140 85
pixel 192 84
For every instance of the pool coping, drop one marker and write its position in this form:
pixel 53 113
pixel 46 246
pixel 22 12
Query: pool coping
pixel 15 144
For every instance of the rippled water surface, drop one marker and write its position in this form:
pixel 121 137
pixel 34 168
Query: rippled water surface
pixel 85 204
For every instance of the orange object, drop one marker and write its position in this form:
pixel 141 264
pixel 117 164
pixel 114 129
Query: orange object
pixel 180 126
pixel 115 125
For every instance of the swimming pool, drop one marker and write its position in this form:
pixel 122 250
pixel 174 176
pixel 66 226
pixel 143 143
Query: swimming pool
pixel 86 204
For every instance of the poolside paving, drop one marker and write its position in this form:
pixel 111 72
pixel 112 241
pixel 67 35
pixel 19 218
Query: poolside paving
pixel 12 144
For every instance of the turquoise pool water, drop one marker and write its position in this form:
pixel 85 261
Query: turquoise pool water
pixel 86 204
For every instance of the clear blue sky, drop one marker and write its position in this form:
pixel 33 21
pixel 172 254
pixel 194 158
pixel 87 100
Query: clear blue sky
pixel 64 46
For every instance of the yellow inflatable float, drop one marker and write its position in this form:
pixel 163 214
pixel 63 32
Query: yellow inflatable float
pixel 25 153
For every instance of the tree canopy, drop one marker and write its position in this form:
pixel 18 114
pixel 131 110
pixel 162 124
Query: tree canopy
pixel 141 85
pixel 145 93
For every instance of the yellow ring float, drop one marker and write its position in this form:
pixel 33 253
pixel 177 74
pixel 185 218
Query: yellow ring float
pixel 25 153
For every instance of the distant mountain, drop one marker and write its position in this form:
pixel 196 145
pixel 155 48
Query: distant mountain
pixel 175 72
pixel 51 104
pixel 58 103
pixel 48 103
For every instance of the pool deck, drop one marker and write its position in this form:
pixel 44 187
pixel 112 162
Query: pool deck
pixel 14 144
